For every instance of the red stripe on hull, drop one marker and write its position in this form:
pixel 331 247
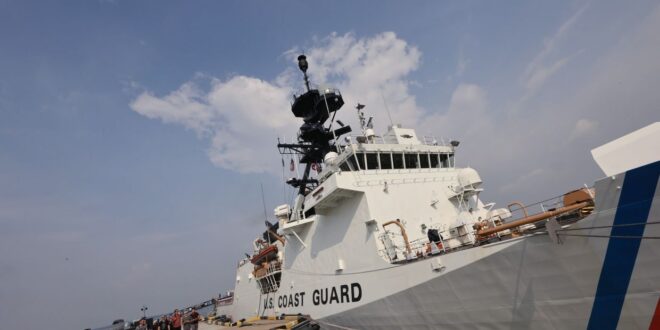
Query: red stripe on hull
pixel 655 322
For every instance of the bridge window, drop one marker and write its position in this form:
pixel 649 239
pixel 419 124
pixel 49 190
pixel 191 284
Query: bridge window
pixel 411 160
pixel 386 161
pixel 444 160
pixel 360 160
pixel 372 161
pixel 350 164
pixel 424 160
pixel 435 161
pixel 397 161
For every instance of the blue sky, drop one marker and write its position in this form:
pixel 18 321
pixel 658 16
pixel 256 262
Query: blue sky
pixel 134 135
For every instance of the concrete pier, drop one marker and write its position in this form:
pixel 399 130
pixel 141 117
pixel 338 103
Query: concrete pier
pixel 256 325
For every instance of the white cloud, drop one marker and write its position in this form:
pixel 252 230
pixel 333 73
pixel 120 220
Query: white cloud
pixel 466 115
pixel 582 128
pixel 468 98
pixel 185 106
pixel 371 71
pixel 242 116
pixel 539 70
pixel 545 151
pixel 554 139
pixel 620 94
pixel 539 75
pixel 615 96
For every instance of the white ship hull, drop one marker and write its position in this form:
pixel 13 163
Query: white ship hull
pixel 528 282
pixel 389 234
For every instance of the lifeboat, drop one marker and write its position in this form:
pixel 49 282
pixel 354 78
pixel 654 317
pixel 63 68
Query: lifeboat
pixel 264 254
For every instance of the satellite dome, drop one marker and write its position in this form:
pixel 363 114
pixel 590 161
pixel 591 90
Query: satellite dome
pixel 469 177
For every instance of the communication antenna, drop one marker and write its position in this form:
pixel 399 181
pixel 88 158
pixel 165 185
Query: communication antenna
pixel 386 108
pixel 361 118
pixel 263 201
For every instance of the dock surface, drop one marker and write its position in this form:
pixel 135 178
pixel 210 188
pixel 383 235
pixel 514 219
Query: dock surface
pixel 256 325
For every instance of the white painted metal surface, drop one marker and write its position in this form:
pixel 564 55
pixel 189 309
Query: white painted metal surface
pixel 633 150
pixel 342 267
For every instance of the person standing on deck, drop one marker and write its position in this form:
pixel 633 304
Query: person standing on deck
pixel 191 320
pixel 196 318
pixel 142 325
pixel 186 319
pixel 164 323
pixel 175 320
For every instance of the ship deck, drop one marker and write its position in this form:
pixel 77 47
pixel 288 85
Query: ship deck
pixel 256 325
pixel 263 323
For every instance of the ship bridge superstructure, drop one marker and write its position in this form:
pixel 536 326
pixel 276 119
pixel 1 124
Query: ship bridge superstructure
pixel 403 187
pixel 398 149
pixel 401 177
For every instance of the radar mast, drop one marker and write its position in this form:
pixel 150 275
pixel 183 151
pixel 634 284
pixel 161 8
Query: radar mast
pixel 314 140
